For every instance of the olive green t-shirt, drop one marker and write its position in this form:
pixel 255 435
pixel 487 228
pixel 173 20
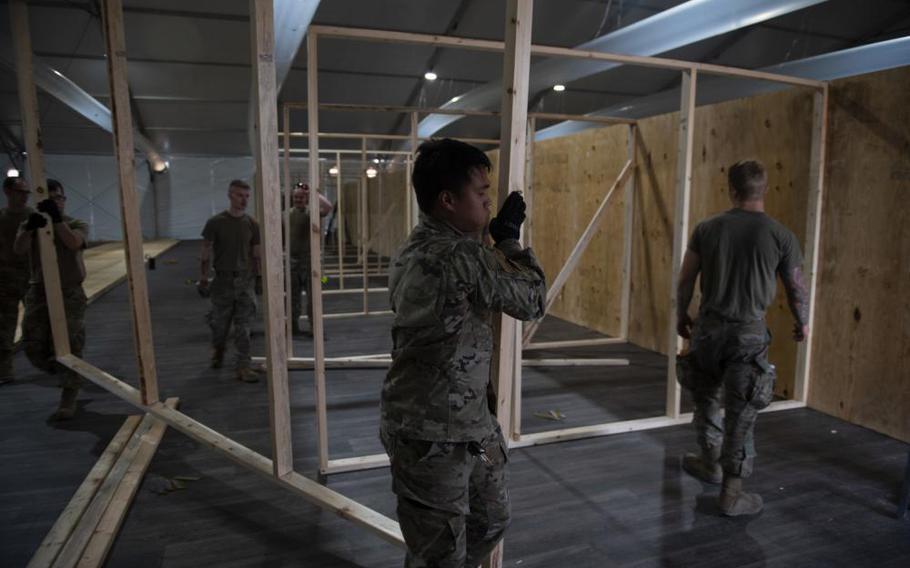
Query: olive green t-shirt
pixel 233 239
pixel 299 229
pixel 12 266
pixel 69 262
pixel 741 253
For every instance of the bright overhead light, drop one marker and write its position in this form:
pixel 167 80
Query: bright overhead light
pixel 455 99
pixel 559 88
pixel 375 160
pixel 371 172
pixel 12 173
pixel 333 171
pixel 429 76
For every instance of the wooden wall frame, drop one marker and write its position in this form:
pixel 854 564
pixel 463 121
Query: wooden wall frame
pixel 518 50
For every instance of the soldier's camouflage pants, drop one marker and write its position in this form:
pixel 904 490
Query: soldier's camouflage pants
pixel 301 281
pixel 11 294
pixel 233 302
pixel 453 507
pixel 37 340
pixel 728 367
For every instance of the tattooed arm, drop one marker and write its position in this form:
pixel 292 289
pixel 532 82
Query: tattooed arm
pixel 684 290
pixel 798 300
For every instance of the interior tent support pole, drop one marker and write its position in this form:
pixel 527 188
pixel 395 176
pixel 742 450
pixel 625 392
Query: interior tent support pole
pixel 315 275
pixel 512 147
pixel 813 233
pixel 137 285
pixel 28 105
pixel 364 246
pixel 680 227
pixel 575 257
pixel 412 195
pixel 625 309
pixel 268 202
pixel 339 215
pixel 286 223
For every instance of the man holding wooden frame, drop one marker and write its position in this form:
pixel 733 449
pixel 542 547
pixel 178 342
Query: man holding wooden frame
pixel 447 451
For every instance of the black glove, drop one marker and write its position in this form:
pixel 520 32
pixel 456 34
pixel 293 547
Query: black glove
pixel 35 221
pixel 49 206
pixel 507 225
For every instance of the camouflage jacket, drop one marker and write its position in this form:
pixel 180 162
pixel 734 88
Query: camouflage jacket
pixel 445 287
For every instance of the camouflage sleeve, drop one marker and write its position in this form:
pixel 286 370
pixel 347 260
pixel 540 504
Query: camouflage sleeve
pixel 503 279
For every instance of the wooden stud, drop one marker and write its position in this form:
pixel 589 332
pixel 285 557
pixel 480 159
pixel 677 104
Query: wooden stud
pixel 322 426
pixel 339 215
pixel 268 201
pixel 65 524
pixel 554 51
pixel 77 541
pixel 625 309
pixel 575 257
pixel 102 537
pixel 680 227
pixel 31 127
pixel 137 285
pixel 575 343
pixel 813 234
pixel 286 223
pixel 312 491
pixel 364 247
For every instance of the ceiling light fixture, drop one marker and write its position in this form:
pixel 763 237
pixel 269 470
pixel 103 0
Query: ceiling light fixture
pixel 559 88
pixel 429 76
pixel 375 160
pixel 333 171
pixel 12 173
pixel 455 99
pixel 371 172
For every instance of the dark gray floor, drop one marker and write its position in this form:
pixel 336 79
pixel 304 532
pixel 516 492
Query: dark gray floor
pixel 830 487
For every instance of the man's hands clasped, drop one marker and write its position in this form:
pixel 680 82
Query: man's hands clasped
pixel 507 224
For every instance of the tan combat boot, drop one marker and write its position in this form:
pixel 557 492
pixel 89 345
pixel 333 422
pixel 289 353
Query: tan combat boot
pixel 67 408
pixel 733 501
pixel 217 357
pixel 705 466
pixel 248 374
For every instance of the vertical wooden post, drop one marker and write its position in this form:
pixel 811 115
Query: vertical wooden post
pixel 28 108
pixel 322 426
pixel 412 197
pixel 115 46
pixel 527 229
pixel 513 138
pixel 364 249
pixel 339 215
pixel 680 227
pixel 268 202
pixel 813 234
pixel 290 324
pixel 625 310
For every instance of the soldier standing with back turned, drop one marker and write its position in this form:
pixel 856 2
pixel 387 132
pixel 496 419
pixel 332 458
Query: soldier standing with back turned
pixel 447 452
pixel 13 270
pixel 739 255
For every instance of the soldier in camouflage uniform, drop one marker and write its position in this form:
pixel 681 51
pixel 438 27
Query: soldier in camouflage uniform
pixel 13 270
pixel 70 236
pixel 299 225
pixel 232 237
pixel 447 452
pixel 738 253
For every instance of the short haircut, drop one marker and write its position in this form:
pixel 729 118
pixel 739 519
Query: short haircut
pixel 11 181
pixel 444 165
pixel 54 186
pixel 748 179
pixel 239 184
